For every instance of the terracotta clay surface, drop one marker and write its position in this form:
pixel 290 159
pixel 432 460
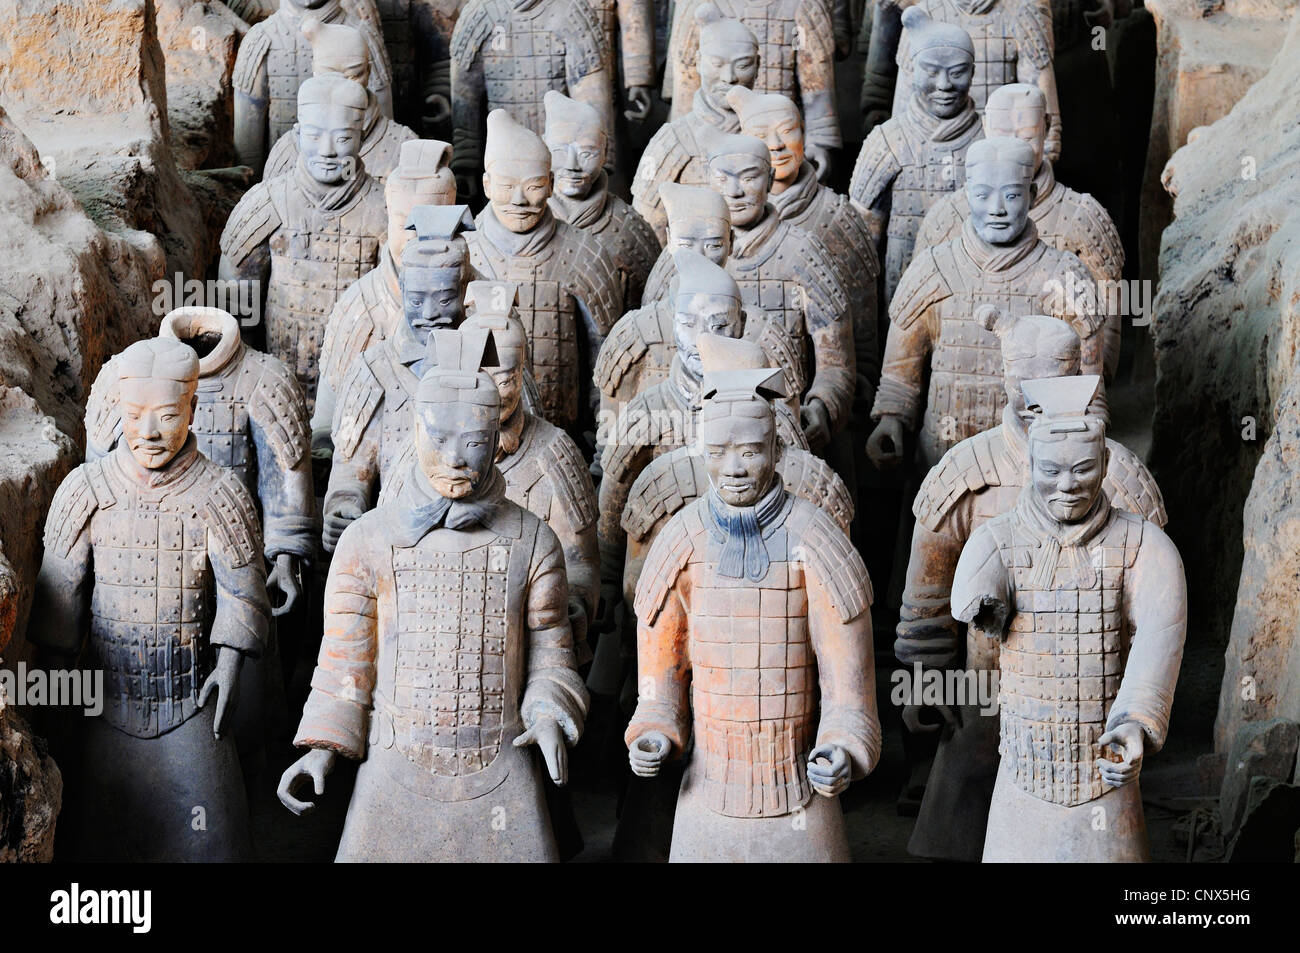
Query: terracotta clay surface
pixel 570 289
pixel 909 162
pixel 632 24
pixel 342 50
pixel 1066 219
pixel 447 648
pixel 796 58
pixel 750 597
pixel 1087 607
pixel 976 480
pixel 998 259
pixel 309 234
pixel 579 144
pixel 417 35
pixel 275 58
pixel 134 544
pixel 678 153
pixel 506 54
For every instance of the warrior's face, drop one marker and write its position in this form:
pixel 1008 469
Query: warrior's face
pixel 941 77
pixel 509 376
pixel 1027 125
pixel 400 202
pixel 456 443
pixel 739 440
pixel 744 181
pixel 724 64
pixel 708 236
pixel 156 416
pixel 716 314
pixel 577 163
pixel 329 138
pixel 1067 472
pixel 518 192
pixel 782 133
pixel 1000 196
pixel 431 298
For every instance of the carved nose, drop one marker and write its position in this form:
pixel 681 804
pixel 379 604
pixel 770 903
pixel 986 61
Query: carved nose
pixel 517 196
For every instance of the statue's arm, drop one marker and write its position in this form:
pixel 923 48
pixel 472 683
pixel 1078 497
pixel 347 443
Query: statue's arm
pixel 553 689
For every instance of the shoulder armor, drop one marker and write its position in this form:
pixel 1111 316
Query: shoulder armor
pixel 817 29
pixel 811 478
pixel 781 349
pixel 231 517
pixel 1132 487
pixel 837 565
pixel 875 169
pixel 570 479
pixel 282 157
pixel 789 428
pixel 584 39
pixel 940 224
pixel 659 283
pixel 252 54
pixel 669 554
pixel 622 349
pixel 380 70
pixel 75 501
pixel 921 286
pixel 662 160
pixel 1094 223
pixel 670 482
pixel 591 275
pixel 969 467
pixel 472 28
pixel 642 417
pixel 251 222
pixel 1061 262
pixel 359 398
pixel 103 415
pixel 1033 28
pixel 278 407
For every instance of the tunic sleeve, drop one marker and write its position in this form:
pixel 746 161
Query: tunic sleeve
pixel 664 667
pixel 242 605
pixel 554 689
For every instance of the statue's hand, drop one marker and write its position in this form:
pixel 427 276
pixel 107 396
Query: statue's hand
pixel 638 103
pixel 224 682
pixel 437 109
pixel 336 521
pixel 648 753
pixel 913 723
pixel 548 737
pixel 885 445
pixel 285 579
pixel 315 764
pixel 820 157
pixel 606 612
pixel 1130 743
pixel 829 770
pixel 468 187
pixel 322 445
pixel 816 423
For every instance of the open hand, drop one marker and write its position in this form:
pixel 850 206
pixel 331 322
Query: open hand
pixel 315 764
pixel 548 737
pixel 224 683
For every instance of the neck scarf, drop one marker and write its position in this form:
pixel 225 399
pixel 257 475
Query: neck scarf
pixel 512 432
pixel 1061 541
pixel 176 467
pixel 722 119
pixel 744 554
pixel 998 257
pixel 1045 179
pixel 585 212
pixel 328 199
pixel 427 510
pixel 512 243
pixel 747 241
pixel 942 130
pixel 798 196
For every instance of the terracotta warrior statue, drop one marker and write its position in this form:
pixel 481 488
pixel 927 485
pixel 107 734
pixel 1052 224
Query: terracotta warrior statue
pixel 275 58
pixel 1066 219
pixel 796 53
pixel 417 35
pixel 153 553
pixel 800 199
pixel 634 22
pixel 505 55
pixel 372 418
pixel 789 274
pixel 1087 607
pixel 998 259
pixel 975 481
pixel 754 643
pixel 918 155
pixel 447 649
pixel 543 468
pixel 639 349
pixel 308 235
pixel 341 50
pixel 677 152
pixel 578 140
pixel 570 290
pixel 371 307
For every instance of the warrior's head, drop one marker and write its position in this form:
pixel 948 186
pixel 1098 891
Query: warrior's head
pixel 1000 188
pixel 517 180
pixel 157 379
pixel 1033 346
pixel 1067 445
pixel 737 424
pixel 578 142
pixel 434 268
pixel 740 170
pixel 776 120
pixel 337 49
pixel 698 220
pixel 331 120
pixel 728 55
pixel 457 413
pixel 708 303
pixel 942 62
pixel 491 305
pixel 423 177
pixel 1018 111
